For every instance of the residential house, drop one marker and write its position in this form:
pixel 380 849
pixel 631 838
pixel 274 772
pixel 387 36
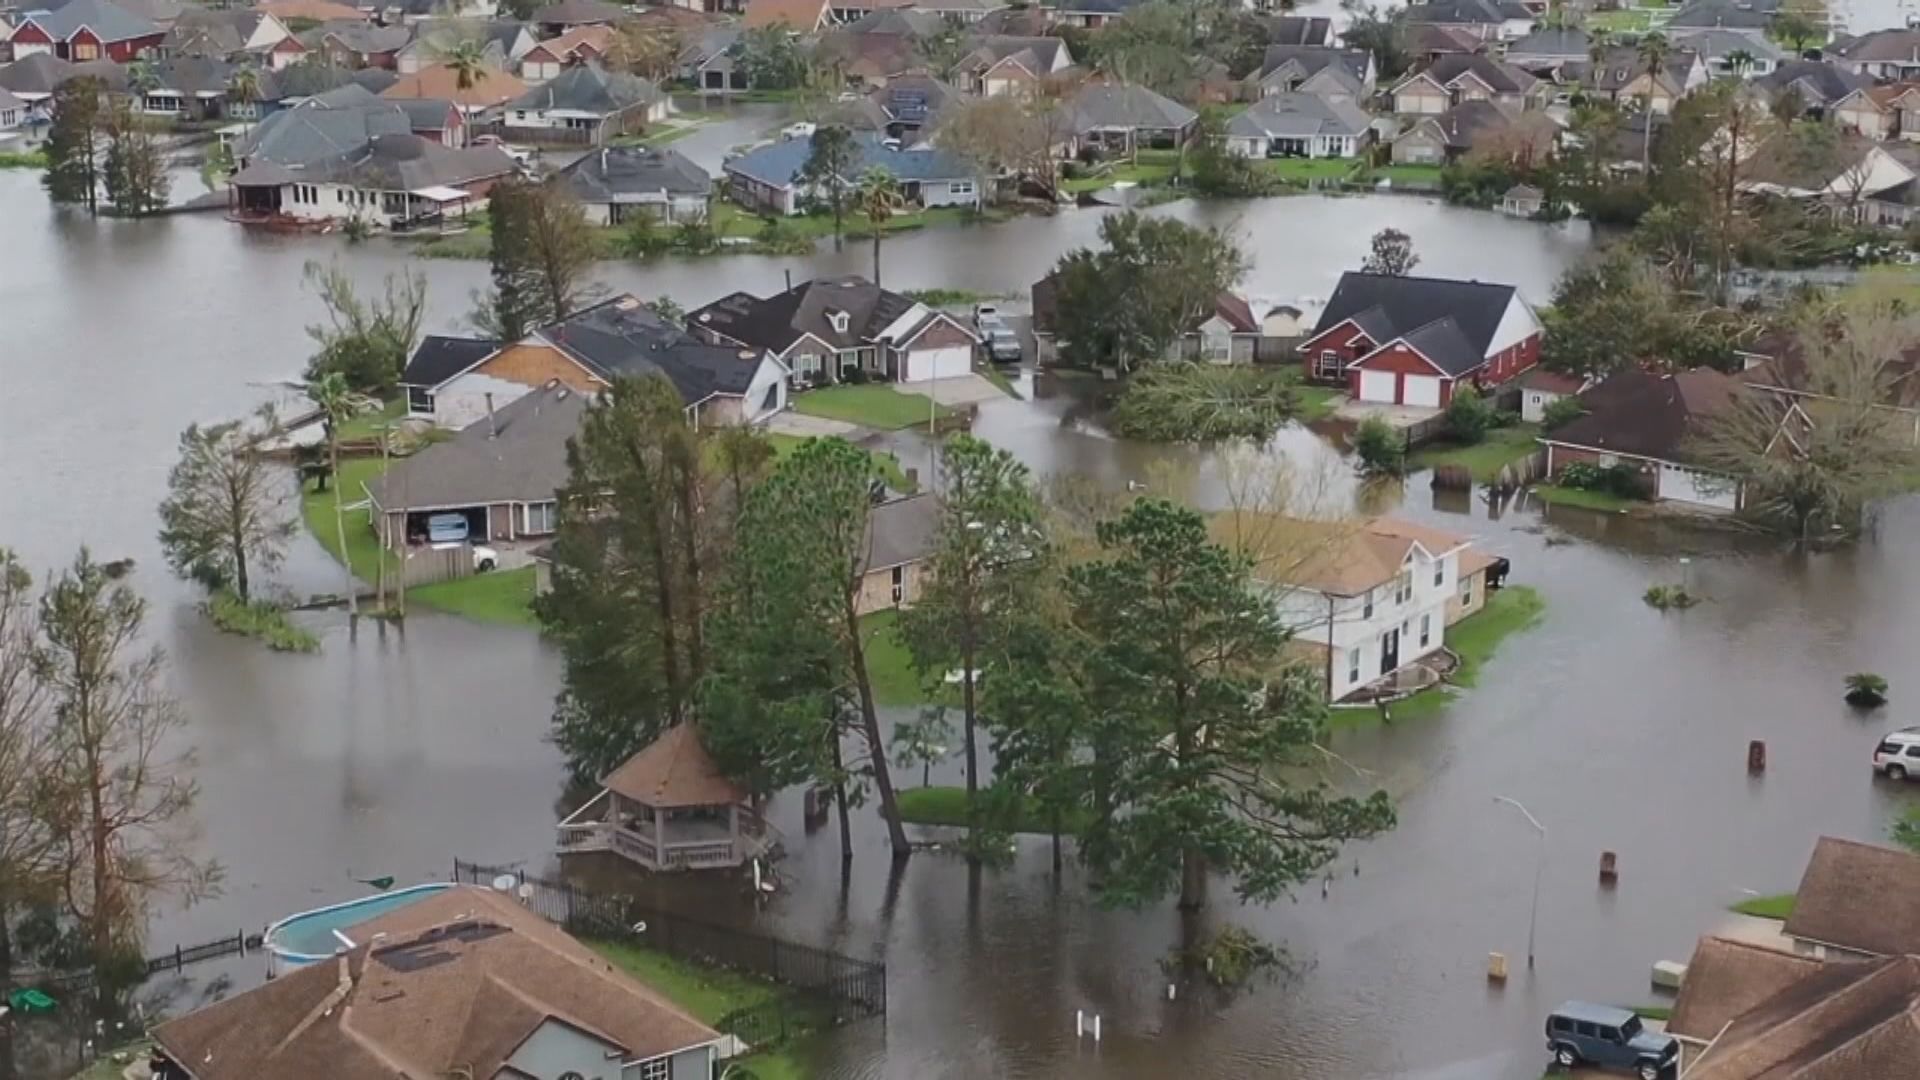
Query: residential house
pixel 1818 85
pixel 1000 64
pixel 669 807
pixel 1892 55
pixel 1897 207
pixel 464 981
pixel 1855 170
pixel 1488 20
pixel 1410 340
pixel 869 59
pixel 908 106
pixel 1622 78
pixel 616 184
pixel 1725 979
pixel 1732 53
pixel 1482 126
pixel 964 12
pixel 1856 900
pixel 299 83
pixel 1549 49
pixel 1540 388
pixel 1122 118
pixel 721 383
pixel 13 111
pixel 1364 603
pixel 1646 421
pixel 83 30
pixel 1229 334
pixel 585 105
pixel 708 61
pixel 190 88
pixel 503 43
pixel 901 537
pixel 556 19
pixel 1030 21
pixel 830 330
pixel 1290 125
pixel 391 180
pixel 1480 574
pixel 1748 17
pixel 1427 43
pixel 311 12
pixel 34 78
pixel 1314 69
pixel 1314 30
pixel 1088 14
pixel 799 16
pixel 1454 80
pixel 547 59
pixel 356 43
pixel 1885 111
pixel 483 101
pixel 339 121
pixel 234 34
pixel 769 179
pixel 437 359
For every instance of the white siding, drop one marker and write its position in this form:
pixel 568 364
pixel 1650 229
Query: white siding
pixel 1533 404
pixel 770 378
pixel 950 193
pixel 1361 622
pixel 1517 324
pixel 1680 484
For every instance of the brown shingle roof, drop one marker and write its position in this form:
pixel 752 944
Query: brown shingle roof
pixel 1725 978
pixel 1850 1020
pixel 674 770
pixel 1342 559
pixel 801 15
pixel 1859 896
pixel 1646 414
pixel 460 979
pixel 440 82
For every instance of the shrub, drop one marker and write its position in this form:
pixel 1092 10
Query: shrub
pixel 1469 416
pixel 643 238
pixel 357 230
pixel 695 237
pixel 779 236
pixel 1617 479
pixel 1382 450
pixel 260 619
pixel 1865 690
pixel 1561 412
pixel 1665 597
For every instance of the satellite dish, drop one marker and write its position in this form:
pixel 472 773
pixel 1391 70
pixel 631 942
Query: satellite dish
pixel 504 883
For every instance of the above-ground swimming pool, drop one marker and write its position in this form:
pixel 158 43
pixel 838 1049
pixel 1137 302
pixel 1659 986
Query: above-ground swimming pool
pixel 299 940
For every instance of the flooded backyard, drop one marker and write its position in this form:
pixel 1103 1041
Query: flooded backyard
pixel 390 753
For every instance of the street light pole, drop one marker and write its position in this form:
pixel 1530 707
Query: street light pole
pixel 1533 917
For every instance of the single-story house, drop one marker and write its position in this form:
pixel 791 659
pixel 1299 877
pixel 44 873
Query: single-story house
pixel 1314 69
pixel 1410 340
pixel 1229 334
pixel 1365 601
pixel 768 179
pixel 827 329
pixel 1454 80
pixel 1622 77
pixel 1731 53
pixel 728 383
pixel 616 183
pixel 319 128
pixel 1427 42
pixel 547 59
pixel 388 180
pixel 710 62
pixel 585 105
pixel 464 981
pixel 1644 420
pixel 1488 20
pixel 1856 900
pixel 190 88
pixel 1299 125
pixel 356 43
pixel 1550 48
pixel 1540 388
pixel 311 12
pixel 901 537
pixel 1817 84
pixel 1300 30
pixel 34 78
pixel 556 19
pixel 1004 64
pixel 232 34
pixel 1522 137
pixel 1122 118
pixel 1856 169
pixel 83 30
pixel 1891 54
pixel 13 111
pixel 1881 112
pixel 906 108
pixel 491 90
pixel 503 42
pixel 868 60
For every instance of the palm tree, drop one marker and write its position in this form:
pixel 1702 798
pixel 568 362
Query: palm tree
pixel 879 195
pixel 1653 57
pixel 1739 61
pixel 243 88
pixel 468 64
pixel 338 403
pixel 141 77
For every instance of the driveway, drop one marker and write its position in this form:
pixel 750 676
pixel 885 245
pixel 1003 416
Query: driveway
pixel 1398 416
pixel 963 390
pixel 788 422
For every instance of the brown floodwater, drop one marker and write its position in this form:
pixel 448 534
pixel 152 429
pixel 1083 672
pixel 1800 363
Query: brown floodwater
pixel 390 754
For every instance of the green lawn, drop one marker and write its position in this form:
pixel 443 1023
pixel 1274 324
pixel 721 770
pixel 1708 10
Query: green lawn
pixel 709 994
pixel 1150 168
pixel 1316 401
pixel 889 664
pixel 369 425
pixel 1303 169
pixel 1474 639
pixel 1555 495
pixel 504 596
pixel 938 805
pixel 31 159
pixel 731 219
pixel 1766 907
pixel 871 405
pixel 1501 447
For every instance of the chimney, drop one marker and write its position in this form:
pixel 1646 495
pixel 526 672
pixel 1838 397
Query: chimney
pixel 493 430
pixel 789 279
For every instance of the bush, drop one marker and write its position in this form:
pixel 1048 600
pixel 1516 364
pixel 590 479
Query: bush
pixel 1617 479
pixel 1382 450
pixel 1865 690
pixel 1664 597
pixel 643 238
pixel 1561 412
pixel 259 619
pixel 779 236
pixel 695 237
pixel 1469 416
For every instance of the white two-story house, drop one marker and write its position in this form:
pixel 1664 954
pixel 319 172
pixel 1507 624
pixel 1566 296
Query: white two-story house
pixel 1362 600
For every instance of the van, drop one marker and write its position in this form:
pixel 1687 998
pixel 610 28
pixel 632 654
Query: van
pixel 447 528
pixel 1611 1038
pixel 1898 755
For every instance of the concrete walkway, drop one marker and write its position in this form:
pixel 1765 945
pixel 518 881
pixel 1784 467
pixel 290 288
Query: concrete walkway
pixel 810 427
pixel 961 390
pixel 1398 416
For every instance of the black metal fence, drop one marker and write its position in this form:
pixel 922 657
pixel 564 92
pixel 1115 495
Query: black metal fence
pixel 71 981
pixel 845 988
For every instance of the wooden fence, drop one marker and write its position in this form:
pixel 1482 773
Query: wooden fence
pixel 428 566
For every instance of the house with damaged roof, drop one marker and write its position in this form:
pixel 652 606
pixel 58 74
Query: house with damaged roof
pixel 464 981
pixel 1403 340
pixel 1646 422
pixel 769 179
pixel 585 105
pixel 388 181
pixel 832 330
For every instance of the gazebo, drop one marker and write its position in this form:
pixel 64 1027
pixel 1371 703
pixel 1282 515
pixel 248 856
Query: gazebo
pixel 669 807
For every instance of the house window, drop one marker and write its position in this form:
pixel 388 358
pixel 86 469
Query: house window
pixel 419 401
pixel 1403 587
pixel 1366 606
pixel 1353 665
pixel 1426 630
pixel 537 518
pixel 519 114
pixel 1327 365
pixel 1216 348
pixel 959 187
pixel 899 584
pixel 1439 574
pixel 657 1069
pixel 1466 592
pixel 86 52
pixel 806 365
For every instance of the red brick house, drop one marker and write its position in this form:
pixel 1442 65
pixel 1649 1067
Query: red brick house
pixel 1410 340
pixel 86 30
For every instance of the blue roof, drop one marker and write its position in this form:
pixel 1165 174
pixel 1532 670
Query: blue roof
pixel 1609 1015
pixel 779 163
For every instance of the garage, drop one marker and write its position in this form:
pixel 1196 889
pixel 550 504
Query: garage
pixel 943 362
pixel 1379 386
pixel 1422 390
pixel 1681 484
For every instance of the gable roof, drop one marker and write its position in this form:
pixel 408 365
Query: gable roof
pixel 1725 978
pixel 1717 44
pixel 1114 105
pixel 576 13
pixel 450 983
pixel 802 15
pixel 1236 312
pixel 914 99
pixel 778 321
pixel 216 33
pixel 438 81
pixel 606 175
pixel 1426 39
pixel 624 337
pixel 438 358
pixel 310 133
pixel 1859 896
pixel 899 22
pixel 402 162
pixel 1900 46
pixel 1300 30
pixel 320 11
pixel 593 37
pixel 674 770
pixel 1502 78
pixel 1552 42
pixel 1468 12
pixel 1311 59
pixel 41 73
pixel 1297 115
pixel 590 88
pixel 1040 54
pixel 109 22
pixel 780 163
pixel 1388 306
pixel 1819 81
pixel 517 455
pixel 1646 414
pixel 899 532
pixel 193 75
pixel 9 102
pixel 1848 1020
pixel 1734 14
pixel 1336 558
pixel 359 36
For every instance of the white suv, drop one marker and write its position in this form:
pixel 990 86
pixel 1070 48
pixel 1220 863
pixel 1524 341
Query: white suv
pixel 1898 755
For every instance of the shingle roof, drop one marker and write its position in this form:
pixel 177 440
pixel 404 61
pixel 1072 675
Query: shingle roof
pixel 1897 46
pixel 315 10
pixel 1859 896
pixel 1337 558
pixel 1038 53
pixel 1296 115
pixel 1849 1020
pixel 1442 342
pixel 1110 106
pixel 1426 39
pixel 193 75
pixel 590 88
pixel 1300 30
pixel 1309 59
pixel 41 73
pixel 801 15
pixel 900 532
pixel 109 22
pixel 592 39
pixel 1500 77
pixel 9 102
pixel 780 163
pixel 1819 82
pixel 896 22
pixel 450 984
pixel 438 358
pixel 490 88
pixel 607 175
pixel 519 455
pixel 1728 13
pixel 359 36
pixel 1388 306
pixel 212 33
pixel 1467 12
pixel 576 13
pixel 674 770
pixel 623 337
pixel 781 319
pixel 1237 313
pixel 1716 44
pixel 1556 42
pixel 1726 978
pixel 914 99
pixel 406 162
pixel 310 133
pixel 1647 414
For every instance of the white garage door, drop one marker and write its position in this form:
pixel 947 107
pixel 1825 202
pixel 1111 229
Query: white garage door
pixel 1423 390
pixel 1377 386
pixel 1698 488
pixel 948 362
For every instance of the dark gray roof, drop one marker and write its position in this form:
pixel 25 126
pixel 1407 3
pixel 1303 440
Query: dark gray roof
pixel 1501 77
pixel 109 22
pixel 1718 44
pixel 402 162
pixel 914 99
pixel 1310 59
pixel 1106 105
pixel 604 176
pixel 193 75
pixel 8 101
pixel 1733 14
pixel 702 47
pixel 1647 413
pixel 990 49
pixel 576 13
pixel 1898 46
pixel 360 37
pixel 862 114
pixel 426 114
pixel 438 358
pixel 203 32
pixel 779 320
pixel 311 133
pixel 1300 30
pixel 1817 81
pixel 590 88
pixel 519 455
pixel 780 163
pixel 624 338
pixel 1296 115
pixel 900 532
pixel 1568 43
pixel 1387 307
pixel 40 73
pixel 905 23
pixel 1467 12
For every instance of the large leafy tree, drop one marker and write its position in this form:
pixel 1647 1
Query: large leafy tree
pixel 367 341
pixel 1613 312
pixel 28 843
pixel 543 254
pixel 75 142
pixel 226 512
pixel 1197 719
pixel 791 688
pixel 988 558
pixel 831 156
pixel 1125 303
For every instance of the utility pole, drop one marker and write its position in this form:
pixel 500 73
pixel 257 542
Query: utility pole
pixel 1533 918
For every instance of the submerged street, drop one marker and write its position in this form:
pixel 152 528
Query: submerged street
pixel 392 752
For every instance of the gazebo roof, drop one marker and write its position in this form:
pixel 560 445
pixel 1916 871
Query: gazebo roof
pixel 674 770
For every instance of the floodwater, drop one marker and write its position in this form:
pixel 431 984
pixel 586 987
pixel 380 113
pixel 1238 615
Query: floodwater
pixel 392 753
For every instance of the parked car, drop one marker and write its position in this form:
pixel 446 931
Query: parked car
pixel 447 529
pixel 519 156
pixel 484 557
pixel 1002 344
pixel 800 130
pixel 1611 1038
pixel 1898 755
